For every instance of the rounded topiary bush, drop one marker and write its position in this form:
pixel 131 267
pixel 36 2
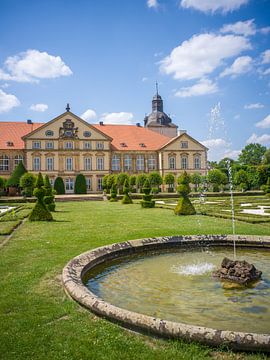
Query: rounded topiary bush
pixel 59 186
pixel 80 184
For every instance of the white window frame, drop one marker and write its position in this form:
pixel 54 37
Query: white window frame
pixel 100 163
pixel 49 145
pixel 88 183
pixel 36 144
pixel 116 165
pixel 140 163
pixel 4 163
pixel 184 162
pixel 87 163
pixel 151 162
pixel 99 145
pixel 17 159
pixel 99 184
pixel 127 162
pixel 87 145
pixel 68 145
pixel 49 163
pixel 36 163
pixel 184 144
pixel 69 163
pixel 172 162
pixel 69 185
pixel 197 162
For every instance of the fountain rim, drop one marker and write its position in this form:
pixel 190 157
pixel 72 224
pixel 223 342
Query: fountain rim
pixel 74 271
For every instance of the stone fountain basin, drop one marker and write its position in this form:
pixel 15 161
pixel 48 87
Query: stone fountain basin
pixel 76 269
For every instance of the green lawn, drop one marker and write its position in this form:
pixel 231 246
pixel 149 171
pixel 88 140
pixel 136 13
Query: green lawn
pixel 38 321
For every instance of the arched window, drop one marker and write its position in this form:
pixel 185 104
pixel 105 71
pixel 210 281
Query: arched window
pixel 4 163
pixel 17 159
pixel 197 162
pixel 184 162
pixel 172 162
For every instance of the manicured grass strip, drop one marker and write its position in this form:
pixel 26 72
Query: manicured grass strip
pixel 39 322
pixel 7 227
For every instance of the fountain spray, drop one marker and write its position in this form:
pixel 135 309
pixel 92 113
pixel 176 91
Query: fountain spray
pixel 228 162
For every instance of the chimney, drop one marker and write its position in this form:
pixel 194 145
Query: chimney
pixel 101 123
pixel 29 122
pixel 138 124
pixel 180 132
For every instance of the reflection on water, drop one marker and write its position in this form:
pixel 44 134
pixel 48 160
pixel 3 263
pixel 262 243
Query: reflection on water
pixel 178 286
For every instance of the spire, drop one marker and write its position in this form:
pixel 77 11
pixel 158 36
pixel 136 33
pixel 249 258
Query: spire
pixel 156 88
pixel 67 108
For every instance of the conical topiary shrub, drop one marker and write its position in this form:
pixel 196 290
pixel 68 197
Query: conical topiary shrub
pixel 49 197
pixel 80 184
pixel 40 211
pixel 184 206
pixel 147 201
pixel 59 186
pixel 126 198
pixel 13 181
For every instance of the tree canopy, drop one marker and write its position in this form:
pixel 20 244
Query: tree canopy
pixel 252 154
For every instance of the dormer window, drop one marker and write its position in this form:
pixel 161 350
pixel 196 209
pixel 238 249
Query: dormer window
pixel 10 143
pixel 142 145
pixel 123 144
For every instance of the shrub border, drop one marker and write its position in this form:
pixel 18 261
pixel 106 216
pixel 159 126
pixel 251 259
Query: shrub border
pixel 74 271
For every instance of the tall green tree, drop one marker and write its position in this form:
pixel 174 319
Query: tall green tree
pixel 196 180
pixel 216 178
pixel 241 179
pixel 266 157
pixel 14 179
pixel 59 186
pixel 80 184
pixel 27 183
pixel 252 154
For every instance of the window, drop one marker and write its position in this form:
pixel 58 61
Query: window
pixel 99 184
pixel 172 163
pixel 87 145
pixel 36 163
pixel 152 162
pixel 88 183
pixel 197 162
pixel 116 163
pixel 140 163
pixel 68 145
pixel 100 145
pixel 49 145
pixel 69 164
pixel 87 164
pixel 36 145
pixel 87 134
pixel 183 144
pixel 184 162
pixel 49 133
pixel 100 163
pixel 4 163
pixel 49 164
pixel 69 184
pixel 17 159
pixel 127 163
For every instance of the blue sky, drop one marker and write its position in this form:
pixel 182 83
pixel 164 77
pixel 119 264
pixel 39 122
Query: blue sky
pixel 104 57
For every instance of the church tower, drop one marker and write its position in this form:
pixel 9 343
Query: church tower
pixel 158 120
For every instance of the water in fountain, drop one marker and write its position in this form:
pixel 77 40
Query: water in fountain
pixel 232 204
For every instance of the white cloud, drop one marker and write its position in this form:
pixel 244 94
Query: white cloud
pixel 7 101
pixel 202 54
pixel 264 124
pixel 245 28
pixel 217 148
pixel 265 30
pixel 202 87
pixel 39 107
pixel 254 106
pixel 89 114
pixel 232 154
pixel 266 57
pixel 263 139
pixel 213 5
pixel 32 65
pixel 119 118
pixel 266 72
pixel 241 65
pixel 152 4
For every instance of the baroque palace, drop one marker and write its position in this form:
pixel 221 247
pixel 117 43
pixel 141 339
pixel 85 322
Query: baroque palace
pixel 68 145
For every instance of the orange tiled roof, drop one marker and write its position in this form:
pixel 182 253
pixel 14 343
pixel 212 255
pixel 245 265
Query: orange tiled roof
pixel 12 132
pixel 132 136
